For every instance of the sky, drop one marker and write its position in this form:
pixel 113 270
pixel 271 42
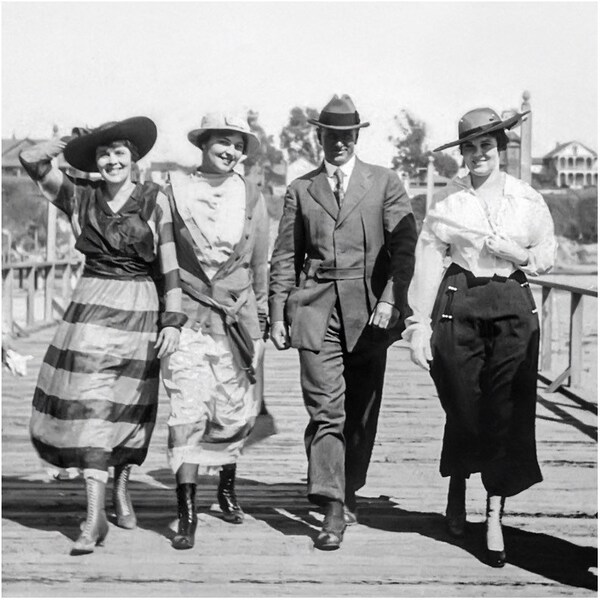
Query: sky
pixel 85 63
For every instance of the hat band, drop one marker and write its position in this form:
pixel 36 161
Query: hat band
pixel 480 129
pixel 339 119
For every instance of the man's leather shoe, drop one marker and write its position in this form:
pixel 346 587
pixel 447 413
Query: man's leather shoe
pixel 332 533
pixel 350 516
pixel 350 508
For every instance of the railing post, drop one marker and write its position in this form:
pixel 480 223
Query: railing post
pixel 7 300
pixel 526 130
pixel 576 340
pixel 546 333
pixel 49 291
pixel 30 318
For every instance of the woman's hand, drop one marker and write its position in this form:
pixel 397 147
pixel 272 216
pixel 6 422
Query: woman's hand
pixel 420 348
pixel 507 249
pixel 168 341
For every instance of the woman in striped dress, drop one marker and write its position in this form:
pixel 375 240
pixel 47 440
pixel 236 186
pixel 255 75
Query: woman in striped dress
pixel 96 397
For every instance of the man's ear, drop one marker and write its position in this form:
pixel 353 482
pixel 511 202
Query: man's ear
pixel 356 136
pixel 319 133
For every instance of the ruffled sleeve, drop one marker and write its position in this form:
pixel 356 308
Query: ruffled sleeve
pixel 542 250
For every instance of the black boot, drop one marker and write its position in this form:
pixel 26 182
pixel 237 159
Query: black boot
pixel 186 511
pixel 232 511
pixel 121 499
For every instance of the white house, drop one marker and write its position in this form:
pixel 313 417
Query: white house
pixel 576 165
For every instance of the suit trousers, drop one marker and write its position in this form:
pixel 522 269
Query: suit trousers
pixel 342 393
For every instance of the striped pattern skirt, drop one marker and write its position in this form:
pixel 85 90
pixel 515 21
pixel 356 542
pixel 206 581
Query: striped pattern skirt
pixel 97 392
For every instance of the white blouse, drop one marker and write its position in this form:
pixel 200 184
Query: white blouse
pixel 455 230
pixel 213 208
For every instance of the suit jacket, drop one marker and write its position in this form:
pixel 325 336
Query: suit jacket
pixel 240 284
pixel 358 254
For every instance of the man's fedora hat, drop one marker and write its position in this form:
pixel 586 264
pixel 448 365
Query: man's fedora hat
pixel 220 121
pixel 339 113
pixel 80 151
pixel 479 122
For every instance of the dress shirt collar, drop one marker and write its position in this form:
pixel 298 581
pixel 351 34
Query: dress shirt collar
pixel 346 168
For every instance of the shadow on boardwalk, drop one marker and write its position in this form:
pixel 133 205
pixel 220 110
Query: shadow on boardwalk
pixel 59 506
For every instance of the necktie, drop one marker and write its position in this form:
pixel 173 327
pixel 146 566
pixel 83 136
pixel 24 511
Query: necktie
pixel 339 188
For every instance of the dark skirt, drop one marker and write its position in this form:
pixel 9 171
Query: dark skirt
pixel 485 353
pixel 97 392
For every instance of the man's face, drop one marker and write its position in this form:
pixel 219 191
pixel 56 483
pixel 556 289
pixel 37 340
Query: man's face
pixel 338 145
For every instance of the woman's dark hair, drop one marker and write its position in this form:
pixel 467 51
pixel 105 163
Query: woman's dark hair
pixel 203 138
pixel 501 140
pixel 135 153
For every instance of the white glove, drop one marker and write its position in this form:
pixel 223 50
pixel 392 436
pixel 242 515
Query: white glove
pixel 507 249
pixel 420 347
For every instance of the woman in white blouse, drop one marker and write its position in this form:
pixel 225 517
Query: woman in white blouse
pixel 475 324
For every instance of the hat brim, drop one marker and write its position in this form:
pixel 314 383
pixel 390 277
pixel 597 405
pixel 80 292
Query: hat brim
pixel 252 142
pixel 80 152
pixel 506 124
pixel 338 127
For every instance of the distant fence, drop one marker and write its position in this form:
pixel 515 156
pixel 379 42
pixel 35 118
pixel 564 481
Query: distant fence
pixel 56 279
pixel 571 376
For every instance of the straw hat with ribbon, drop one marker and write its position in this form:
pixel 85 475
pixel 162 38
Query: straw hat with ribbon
pixel 222 122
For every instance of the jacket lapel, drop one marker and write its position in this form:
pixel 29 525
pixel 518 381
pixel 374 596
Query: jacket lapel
pixel 189 267
pixel 357 188
pixel 321 191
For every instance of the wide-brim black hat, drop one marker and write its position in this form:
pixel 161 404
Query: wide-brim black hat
pixel 80 152
pixel 479 122
pixel 339 113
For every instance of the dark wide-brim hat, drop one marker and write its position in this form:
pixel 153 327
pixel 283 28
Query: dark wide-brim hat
pixel 479 122
pixel 80 152
pixel 339 113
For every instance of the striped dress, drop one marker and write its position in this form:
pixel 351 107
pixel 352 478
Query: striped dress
pixel 97 393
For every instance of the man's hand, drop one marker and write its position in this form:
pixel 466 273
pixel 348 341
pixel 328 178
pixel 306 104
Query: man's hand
pixel 507 249
pixel 279 335
pixel 420 348
pixel 167 342
pixel 385 315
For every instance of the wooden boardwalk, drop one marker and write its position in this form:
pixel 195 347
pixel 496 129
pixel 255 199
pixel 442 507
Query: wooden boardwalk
pixel 399 549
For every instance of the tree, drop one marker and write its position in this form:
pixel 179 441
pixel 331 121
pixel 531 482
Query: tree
pixel 445 165
pixel 266 167
pixel 299 137
pixel 267 154
pixel 411 154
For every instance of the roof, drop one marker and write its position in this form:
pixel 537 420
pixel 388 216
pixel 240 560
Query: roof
pixel 563 146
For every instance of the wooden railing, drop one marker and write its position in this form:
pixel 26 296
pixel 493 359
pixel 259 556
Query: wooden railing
pixel 572 375
pixel 56 279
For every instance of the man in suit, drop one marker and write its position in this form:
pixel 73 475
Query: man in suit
pixel 340 270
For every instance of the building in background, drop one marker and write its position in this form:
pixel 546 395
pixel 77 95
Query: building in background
pixel 572 165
